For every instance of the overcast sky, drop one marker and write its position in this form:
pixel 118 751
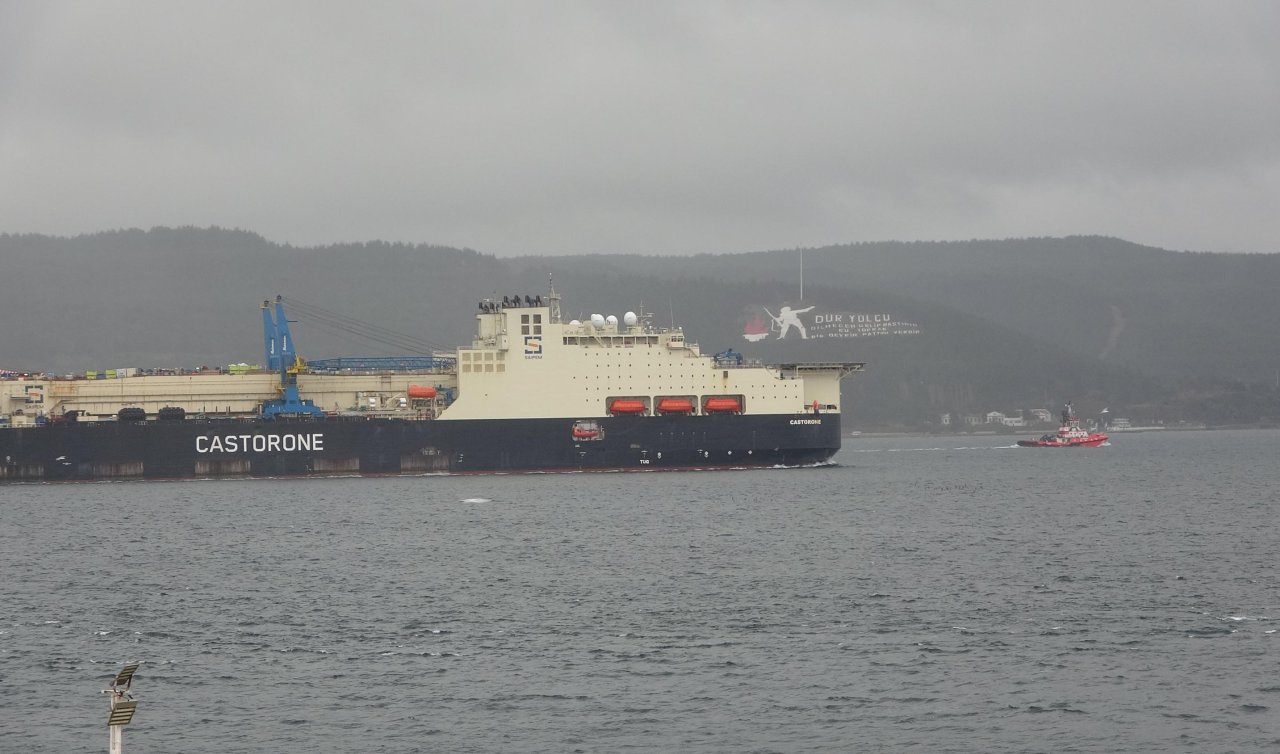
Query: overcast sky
pixel 650 127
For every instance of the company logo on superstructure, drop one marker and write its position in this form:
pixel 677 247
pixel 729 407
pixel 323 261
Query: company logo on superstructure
pixel 288 443
pixel 806 421
pixel 533 346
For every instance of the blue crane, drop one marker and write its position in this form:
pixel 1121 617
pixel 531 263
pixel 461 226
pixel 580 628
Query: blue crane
pixel 281 356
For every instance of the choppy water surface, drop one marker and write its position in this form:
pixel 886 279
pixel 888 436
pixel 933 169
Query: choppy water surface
pixel 927 595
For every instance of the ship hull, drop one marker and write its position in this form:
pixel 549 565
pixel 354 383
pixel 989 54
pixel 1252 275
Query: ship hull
pixel 196 448
pixel 1092 441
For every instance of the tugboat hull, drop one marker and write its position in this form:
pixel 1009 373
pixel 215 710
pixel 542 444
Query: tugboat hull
pixel 1092 441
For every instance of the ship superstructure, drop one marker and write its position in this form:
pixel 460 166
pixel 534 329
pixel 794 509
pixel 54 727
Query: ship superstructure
pixel 526 363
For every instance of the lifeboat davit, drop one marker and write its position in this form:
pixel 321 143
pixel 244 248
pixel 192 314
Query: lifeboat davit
pixel 675 406
pixel 627 406
pixel 722 405
pixel 422 391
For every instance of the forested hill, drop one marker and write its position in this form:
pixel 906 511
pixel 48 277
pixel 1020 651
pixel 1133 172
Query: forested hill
pixel 1002 325
pixel 1161 312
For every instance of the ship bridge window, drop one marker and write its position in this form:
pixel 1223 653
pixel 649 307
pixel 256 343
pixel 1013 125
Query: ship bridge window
pixel 526 328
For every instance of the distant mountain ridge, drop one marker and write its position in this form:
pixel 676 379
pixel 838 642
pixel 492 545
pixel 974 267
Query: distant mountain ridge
pixel 1006 325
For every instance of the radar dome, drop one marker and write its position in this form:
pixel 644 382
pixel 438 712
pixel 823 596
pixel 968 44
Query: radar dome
pixel 574 323
pixel 597 321
pixel 630 319
pixel 612 320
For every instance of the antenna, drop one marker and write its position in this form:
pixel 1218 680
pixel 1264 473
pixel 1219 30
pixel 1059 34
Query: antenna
pixel 553 300
pixel 644 316
pixel 802 276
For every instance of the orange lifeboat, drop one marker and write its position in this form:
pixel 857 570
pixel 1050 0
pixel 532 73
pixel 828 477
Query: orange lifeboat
pixel 675 406
pixel 627 406
pixel 722 404
pixel 422 391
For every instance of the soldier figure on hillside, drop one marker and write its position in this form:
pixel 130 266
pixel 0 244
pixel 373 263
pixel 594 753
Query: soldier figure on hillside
pixel 788 318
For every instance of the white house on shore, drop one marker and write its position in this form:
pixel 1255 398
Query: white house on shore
pixel 997 417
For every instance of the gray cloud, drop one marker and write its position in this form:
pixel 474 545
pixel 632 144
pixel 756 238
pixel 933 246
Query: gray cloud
pixel 566 127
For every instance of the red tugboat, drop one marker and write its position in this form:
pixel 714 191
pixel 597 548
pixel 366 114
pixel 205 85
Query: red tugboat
pixel 1069 435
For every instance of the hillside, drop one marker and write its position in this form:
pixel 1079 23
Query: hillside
pixel 1186 315
pixel 1003 325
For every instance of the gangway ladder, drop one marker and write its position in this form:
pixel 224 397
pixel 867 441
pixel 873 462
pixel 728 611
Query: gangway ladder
pixel 123 706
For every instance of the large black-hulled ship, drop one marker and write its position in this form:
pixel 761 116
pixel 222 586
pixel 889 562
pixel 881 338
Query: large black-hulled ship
pixel 531 393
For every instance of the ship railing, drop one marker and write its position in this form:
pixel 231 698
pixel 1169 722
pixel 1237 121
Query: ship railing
pixel 843 368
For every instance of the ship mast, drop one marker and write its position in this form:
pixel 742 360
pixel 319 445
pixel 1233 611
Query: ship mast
pixel 802 276
pixel 553 301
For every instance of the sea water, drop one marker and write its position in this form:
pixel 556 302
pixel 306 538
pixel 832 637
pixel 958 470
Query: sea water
pixel 924 595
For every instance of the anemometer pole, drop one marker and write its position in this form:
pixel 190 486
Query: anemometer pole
pixel 122 708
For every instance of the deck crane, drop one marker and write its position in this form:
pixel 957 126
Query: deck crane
pixel 281 356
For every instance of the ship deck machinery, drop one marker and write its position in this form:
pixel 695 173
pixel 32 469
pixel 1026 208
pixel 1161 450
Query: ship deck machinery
pixel 531 392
